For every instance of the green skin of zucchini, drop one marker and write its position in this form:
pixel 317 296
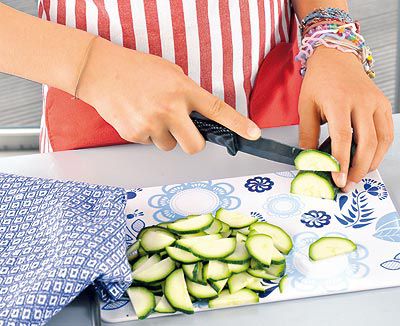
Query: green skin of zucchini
pixel 327 176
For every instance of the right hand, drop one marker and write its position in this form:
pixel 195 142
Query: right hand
pixel 149 99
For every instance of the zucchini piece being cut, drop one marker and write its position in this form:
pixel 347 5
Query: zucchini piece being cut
pixel 235 220
pixel 314 160
pixel 241 297
pixel 176 292
pixel 191 224
pixel 314 184
pixel 214 249
pixel 155 239
pixel 327 247
pixel 282 241
pixel 260 247
pixel 143 301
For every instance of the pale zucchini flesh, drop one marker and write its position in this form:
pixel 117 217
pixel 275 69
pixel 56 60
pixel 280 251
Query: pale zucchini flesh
pixel 155 239
pixel 282 241
pixel 235 220
pixel 143 301
pixel 260 247
pixel 156 272
pixel 214 249
pixel 241 297
pixel 164 307
pixel 176 292
pixel 216 271
pixel 191 224
pixel 181 255
pixel 315 160
pixel 200 291
pixel 327 247
pixel 314 184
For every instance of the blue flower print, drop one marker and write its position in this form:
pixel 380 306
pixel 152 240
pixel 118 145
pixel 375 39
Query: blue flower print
pixel 375 188
pixel 136 213
pixel 184 199
pixel 258 216
pixel 315 219
pixel 259 184
pixel 392 264
pixel 130 194
pixel 283 205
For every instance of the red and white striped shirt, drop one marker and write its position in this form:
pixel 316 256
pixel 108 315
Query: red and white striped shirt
pixel 218 43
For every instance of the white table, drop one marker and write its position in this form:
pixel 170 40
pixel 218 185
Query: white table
pixel 136 165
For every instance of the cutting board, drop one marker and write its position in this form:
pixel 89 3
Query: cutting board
pixel 366 215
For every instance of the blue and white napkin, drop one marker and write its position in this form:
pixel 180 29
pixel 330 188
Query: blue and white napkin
pixel 56 238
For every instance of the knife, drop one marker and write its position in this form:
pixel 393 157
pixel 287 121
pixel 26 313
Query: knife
pixel 262 147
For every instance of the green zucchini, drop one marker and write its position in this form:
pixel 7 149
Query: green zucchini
pixel 216 271
pixel 315 160
pixel 238 268
pixel 282 283
pixel 235 220
pixel 187 243
pixel 200 291
pixel 154 273
pixel 239 256
pixel 314 184
pixel 176 292
pixel 260 247
pixel 181 255
pixel 282 241
pixel 218 285
pixel 261 273
pixel 146 264
pixel 143 301
pixel 214 249
pixel 327 247
pixel 164 307
pixel 132 252
pixel 241 297
pixel 191 224
pixel 215 227
pixel 155 239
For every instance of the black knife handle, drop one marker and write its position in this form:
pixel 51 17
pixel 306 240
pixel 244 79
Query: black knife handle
pixel 217 134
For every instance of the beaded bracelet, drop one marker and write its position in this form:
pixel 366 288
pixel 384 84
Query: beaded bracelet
pixel 341 37
pixel 325 14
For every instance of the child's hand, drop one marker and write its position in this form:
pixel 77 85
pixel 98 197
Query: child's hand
pixel 149 99
pixel 338 91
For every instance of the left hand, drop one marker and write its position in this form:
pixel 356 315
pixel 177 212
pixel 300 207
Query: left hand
pixel 337 90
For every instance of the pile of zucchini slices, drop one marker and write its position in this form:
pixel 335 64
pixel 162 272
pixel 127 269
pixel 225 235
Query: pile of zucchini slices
pixel 222 259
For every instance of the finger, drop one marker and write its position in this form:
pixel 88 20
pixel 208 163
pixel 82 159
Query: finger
pixel 384 133
pixel 187 135
pixel 215 109
pixel 309 126
pixel 364 130
pixel 339 124
pixel 164 140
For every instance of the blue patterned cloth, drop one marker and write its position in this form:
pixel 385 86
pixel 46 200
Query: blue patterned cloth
pixel 56 238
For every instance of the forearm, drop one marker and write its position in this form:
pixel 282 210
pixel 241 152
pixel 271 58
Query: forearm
pixel 41 51
pixel 304 7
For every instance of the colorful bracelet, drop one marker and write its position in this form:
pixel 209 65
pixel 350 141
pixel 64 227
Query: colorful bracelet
pixel 325 14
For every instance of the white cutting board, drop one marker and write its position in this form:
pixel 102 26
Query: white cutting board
pixel 366 215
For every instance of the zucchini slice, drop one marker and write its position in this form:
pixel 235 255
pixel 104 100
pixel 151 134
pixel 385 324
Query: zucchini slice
pixel 155 239
pixel 240 237
pixel 156 272
pixel 277 270
pixel 282 241
pixel 163 306
pixel 261 273
pixel 219 285
pixel 225 299
pixel 146 264
pixel 236 268
pixel 215 227
pixel 132 252
pixel 282 283
pixel 239 281
pixel 199 274
pixel 187 243
pixel 260 247
pixel 314 160
pixel 235 220
pixel 327 247
pixel 188 270
pixel 193 235
pixel 256 285
pixel 200 291
pixel 181 255
pixel 176 292
pixel 216 271
pixel 191 224
pixel 277 257
pixel 139 262
pixel 314 184
pixel 239 256
pixel 143 301
pixel 214 249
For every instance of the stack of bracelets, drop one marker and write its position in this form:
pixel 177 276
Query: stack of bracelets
pixel 333 28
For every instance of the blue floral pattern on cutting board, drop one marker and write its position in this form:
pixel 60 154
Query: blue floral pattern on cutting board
pixel 171 204
pixel 359 211
pixel 392 264
pixel 283 205
pixel 333 275
pixel 132 193
pixel 132 230
pixel 259 184
pixel 315 219
pixel 388 227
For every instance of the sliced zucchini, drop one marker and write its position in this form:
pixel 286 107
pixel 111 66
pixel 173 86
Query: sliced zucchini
pixel 277 270
pixel 216 271
pixel 181 255
pixel 163 225
pixel 260 247
pixel 132 252
pixel 188 270
pixel 200 291
pixel 244 231
pixel 314 160
pixel 240 237
pixel 143 301
pixel 235 220
pixel 193 235
pixel 327 247
pixel 256 285
pixel 142 252
pixel 261 273
pixel 155 239
pixel 156 272
pixel 219 285
pixel 226 234
pixel 226 299
pixel 163 306
pixel 282 241
pixel 215 227
pixel 239 256
pixel 224 227
pixel 314 184
pixel 187 243
pixel 176 292
pixel 238 268
pixel 191 224
pixel 239 281
pixel 277 257
pixel 213 249
pixel 140 262
pixel 148 263
pixel 255 264
pixel 282 283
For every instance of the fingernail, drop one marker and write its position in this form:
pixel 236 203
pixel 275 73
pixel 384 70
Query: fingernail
pixel 349 186
pixel 253 131
pixel 341 179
